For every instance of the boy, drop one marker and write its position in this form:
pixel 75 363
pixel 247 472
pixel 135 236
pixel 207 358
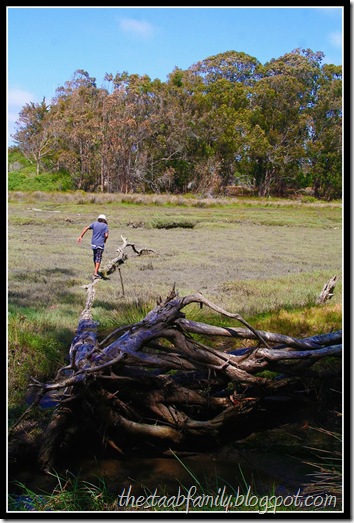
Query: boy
pixel 98 240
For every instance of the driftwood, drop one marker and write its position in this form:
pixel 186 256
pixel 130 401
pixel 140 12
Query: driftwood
pixel 328 290
pixel 122 256
pixel 158 381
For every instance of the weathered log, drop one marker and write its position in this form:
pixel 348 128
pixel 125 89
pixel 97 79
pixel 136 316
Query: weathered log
pixel 130 397
pixel 122 256
pixel 328 290
pixel 159 380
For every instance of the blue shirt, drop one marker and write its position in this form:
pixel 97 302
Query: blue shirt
pixel 99 230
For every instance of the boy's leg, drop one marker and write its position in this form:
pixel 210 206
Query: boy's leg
pixel 97 261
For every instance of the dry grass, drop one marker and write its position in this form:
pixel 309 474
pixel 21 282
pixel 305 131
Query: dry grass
pixel 223 255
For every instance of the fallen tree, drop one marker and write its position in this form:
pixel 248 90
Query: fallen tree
pixel 161 381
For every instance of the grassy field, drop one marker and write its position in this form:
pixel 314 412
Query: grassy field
pixel 264 259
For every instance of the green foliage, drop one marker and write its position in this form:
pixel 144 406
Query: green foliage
pixel 17 159
pixel 279 126
pixel 22 176
pixel 168 223
pixel 308 199
pixel 31 348
pixel 48 182
pixel 70 494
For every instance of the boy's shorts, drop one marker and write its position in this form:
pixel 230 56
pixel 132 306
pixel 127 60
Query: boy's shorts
pixel 97 255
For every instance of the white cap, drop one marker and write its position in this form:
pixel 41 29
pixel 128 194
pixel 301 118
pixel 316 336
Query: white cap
pixel 102 216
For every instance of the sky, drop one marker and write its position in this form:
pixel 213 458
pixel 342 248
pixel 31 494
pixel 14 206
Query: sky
pixel 46 45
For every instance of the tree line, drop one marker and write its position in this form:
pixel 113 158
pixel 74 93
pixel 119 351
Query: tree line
pixel 226 121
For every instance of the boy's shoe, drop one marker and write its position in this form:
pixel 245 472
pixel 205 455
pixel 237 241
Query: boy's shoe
pixel 96 277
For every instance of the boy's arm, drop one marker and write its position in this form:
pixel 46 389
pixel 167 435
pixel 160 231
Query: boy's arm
pixel 79 240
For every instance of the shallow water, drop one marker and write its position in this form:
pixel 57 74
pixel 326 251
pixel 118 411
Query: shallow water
pixel 268 458
pixel 268 462
pixel 207 470
pixel 227 477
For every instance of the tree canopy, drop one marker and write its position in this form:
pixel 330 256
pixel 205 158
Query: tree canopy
pixel 227 120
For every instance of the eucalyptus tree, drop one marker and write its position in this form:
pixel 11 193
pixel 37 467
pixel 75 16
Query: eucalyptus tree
pixel 233 66
pixel 152 384
pixel 177 132
pixel 325 135
pixel 34 134
pixel 219 88
pixel 127 130
pixel 76 120
pixel 276 115
pixel 224 119
pixel 281 102
pixel 146 133
pixel 221 115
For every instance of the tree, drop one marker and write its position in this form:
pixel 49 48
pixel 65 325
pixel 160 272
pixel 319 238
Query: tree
pixel 76 119
pixel 127 128
pixel 34 133
pixel 232 66
pixel 277 126
pixel 215 134
pixel 275 105
pixel 324 144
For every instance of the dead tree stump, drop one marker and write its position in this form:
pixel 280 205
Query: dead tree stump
pixel 328 290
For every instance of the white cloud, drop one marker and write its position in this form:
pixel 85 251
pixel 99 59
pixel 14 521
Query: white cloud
pixel 16 100
pixel 331 11
pixel 18 97
pixel 135 27
pixel 12 116
pixel 336 39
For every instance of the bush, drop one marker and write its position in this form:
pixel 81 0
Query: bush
pixel 47 182
pixel 22 176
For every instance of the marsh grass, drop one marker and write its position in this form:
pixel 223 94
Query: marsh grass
pixel 327 464
pixel 70 494
pixel 264 259
pixel 74 494
pixel 204 494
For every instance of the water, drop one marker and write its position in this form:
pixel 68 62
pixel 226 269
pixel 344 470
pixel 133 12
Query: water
pixel 266 462
pixel 269 460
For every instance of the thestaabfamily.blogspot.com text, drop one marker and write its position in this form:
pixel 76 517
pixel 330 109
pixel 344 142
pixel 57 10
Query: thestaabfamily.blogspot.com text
pixel 188 500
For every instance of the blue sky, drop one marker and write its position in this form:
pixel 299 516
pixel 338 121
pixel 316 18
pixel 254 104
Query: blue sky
pixel 46 45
